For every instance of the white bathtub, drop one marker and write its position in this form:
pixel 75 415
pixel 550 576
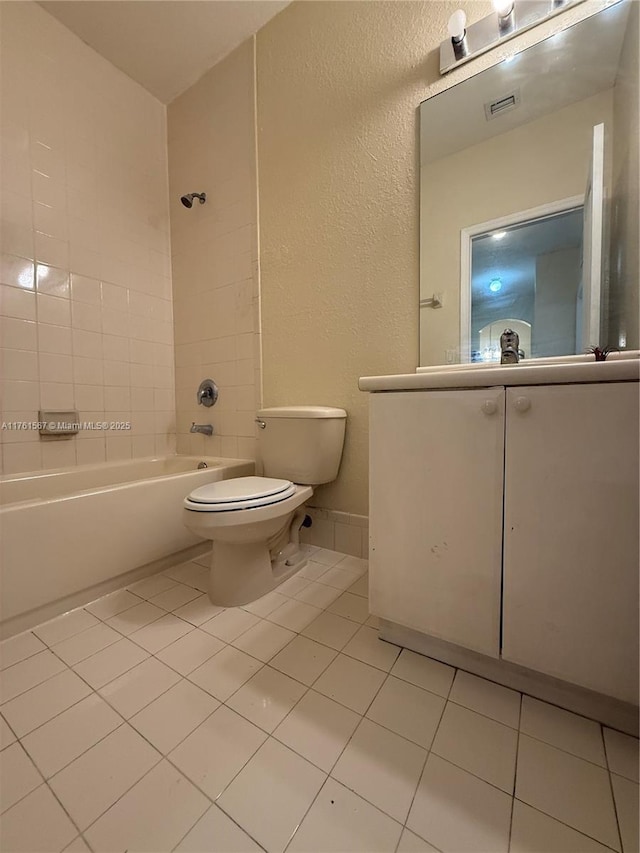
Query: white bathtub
pixel 69 535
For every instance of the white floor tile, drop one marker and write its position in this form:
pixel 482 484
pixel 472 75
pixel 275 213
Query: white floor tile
pixel 340 577
pixel 626 795
pixel 270 796
pixel 412 843
pixel 367 646
pixel 326 557
pixel 424 672
pixel 194 574
pixel 95 780
pixel 22 676
pixel 222 674
pixel 65 737
pixel 351 606
pixel 38 705
pixel 266 699
pixel 340 820
pixel 171 717
pixel 190 651
pixel 532 832
pixel 66 626
pixel 18 648
pixel 177 596
pixel 153 816
pixel 360 587
pixel 7 737
pixel 293 586
pixel 478 744
pixel 134 618
pixel 487 698
pixel 318 729
pixel 318 595
pixel 303 659
pixel 350 683
pixel 161 633
pixel 568 788
pixel 407 710
pixel 622 754
pixel 229 624
pixel 382 767
pixel 78 845
pixel 265 605
pixel 87 643
pixel 37 823
pixel 217 750
pixel 18 776
pixel 131 692
pixel 563 729
pixel 355 564
pixel 216 831
pixel 294 615
pixel 154 585
pixel 331 630
pixel 313 571
pixel 111 662
pixel 198 611
pixel 264 640
pixel 112 604
pixel 455 811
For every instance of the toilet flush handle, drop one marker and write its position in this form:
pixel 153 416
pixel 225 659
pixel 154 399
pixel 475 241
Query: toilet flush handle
pixel 261 424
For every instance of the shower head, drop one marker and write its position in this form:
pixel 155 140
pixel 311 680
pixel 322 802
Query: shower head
pixel 187 200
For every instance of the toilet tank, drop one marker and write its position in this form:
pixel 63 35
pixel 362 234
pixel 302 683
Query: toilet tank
pixel 301 443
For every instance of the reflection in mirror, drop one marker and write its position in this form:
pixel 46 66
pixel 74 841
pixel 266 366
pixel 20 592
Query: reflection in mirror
pixel 529 199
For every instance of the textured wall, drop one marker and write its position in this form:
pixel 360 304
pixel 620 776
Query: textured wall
pixel 85 292
pixel 214 255
pixel 338 88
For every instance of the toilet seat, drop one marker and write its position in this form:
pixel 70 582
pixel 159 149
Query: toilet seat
pixel 239 493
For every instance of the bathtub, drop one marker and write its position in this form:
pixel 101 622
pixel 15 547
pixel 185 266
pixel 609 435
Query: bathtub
pixel 69 535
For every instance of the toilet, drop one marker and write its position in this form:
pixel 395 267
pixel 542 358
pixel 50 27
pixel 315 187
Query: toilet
pixel 254 522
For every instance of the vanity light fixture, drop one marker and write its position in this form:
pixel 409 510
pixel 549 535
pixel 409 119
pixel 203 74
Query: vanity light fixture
pixel 510 18
pixel 499 235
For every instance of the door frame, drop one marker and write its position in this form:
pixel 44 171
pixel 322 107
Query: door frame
pixel 552 208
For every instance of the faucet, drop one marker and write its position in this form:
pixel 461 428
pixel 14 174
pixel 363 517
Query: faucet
pixel 509 347
pixel 205 429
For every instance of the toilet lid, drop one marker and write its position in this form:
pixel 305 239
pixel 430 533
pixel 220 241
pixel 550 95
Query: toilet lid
pixel 242 493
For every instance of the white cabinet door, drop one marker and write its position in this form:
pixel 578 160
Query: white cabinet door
pixel 571 534
pixel 436 468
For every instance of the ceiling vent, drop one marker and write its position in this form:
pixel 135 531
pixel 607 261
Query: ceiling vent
pixel 502 105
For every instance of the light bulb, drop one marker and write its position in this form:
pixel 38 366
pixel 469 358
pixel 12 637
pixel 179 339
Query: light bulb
pixel 499 235
pixel 502 7
pixel 495 285
pixel 457 26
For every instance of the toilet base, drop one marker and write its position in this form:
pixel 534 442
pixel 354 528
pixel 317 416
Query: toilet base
pixel 242 573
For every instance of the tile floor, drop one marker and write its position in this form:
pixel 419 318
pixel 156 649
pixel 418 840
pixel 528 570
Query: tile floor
pixel 151 720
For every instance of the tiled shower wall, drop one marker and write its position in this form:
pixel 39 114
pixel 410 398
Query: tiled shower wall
pixel 212 149
pixel 85 286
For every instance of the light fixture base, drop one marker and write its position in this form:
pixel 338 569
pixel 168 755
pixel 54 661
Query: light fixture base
pixel 492 30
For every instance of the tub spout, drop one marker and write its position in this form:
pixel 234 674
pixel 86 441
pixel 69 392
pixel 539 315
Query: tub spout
pixel 205 429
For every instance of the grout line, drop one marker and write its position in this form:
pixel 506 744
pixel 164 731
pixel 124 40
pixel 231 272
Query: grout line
pixel 515 773
pixel 610 779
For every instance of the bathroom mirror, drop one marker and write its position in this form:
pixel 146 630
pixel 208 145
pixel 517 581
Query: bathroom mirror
pixel 529 199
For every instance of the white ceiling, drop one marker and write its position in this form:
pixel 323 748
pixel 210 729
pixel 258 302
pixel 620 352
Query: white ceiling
pixel 165 45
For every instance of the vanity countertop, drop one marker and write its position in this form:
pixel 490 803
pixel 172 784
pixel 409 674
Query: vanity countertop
pixel 483 376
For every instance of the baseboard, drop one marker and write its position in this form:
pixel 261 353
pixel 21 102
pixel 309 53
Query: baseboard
pixel 338 531
pixel 612 712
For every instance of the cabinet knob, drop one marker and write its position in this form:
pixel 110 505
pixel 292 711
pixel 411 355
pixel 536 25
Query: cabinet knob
pixel 489 407
pixel 522 404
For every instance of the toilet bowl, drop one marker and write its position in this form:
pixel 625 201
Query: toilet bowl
pixel 254 522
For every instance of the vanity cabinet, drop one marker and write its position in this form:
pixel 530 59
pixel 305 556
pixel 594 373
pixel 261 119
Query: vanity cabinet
pixel 505 521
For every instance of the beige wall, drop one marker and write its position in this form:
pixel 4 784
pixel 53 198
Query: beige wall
pixel 214 253
pixel 85 292
pixel 338 88
pixel 543 161
pixel 624 316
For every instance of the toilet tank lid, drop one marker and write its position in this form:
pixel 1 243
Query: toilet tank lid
pixel 302 412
